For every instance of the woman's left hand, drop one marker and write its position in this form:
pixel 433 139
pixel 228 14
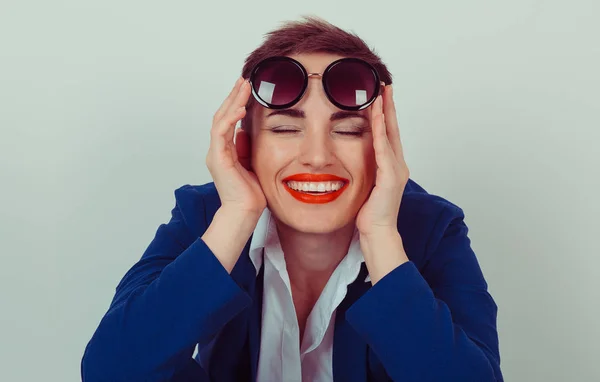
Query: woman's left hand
pixel 378 218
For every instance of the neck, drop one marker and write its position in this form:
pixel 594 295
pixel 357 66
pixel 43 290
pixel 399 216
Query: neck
pixel 311 258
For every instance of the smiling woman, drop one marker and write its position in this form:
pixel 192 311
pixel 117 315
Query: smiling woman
pixel 320 140
pixel 313 256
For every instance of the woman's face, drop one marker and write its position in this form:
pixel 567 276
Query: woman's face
pixel 310 138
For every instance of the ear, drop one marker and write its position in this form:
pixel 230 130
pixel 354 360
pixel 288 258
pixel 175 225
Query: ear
pixel 243 148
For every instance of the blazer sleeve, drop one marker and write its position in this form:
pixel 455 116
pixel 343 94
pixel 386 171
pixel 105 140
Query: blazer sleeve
pixel 444 330
pixel 176 296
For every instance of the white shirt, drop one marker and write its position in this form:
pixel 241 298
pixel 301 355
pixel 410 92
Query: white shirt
pixel 281 356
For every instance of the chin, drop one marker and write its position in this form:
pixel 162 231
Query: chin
pixel 315 223
pixel 317 228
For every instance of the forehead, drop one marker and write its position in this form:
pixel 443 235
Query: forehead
pixel 315 62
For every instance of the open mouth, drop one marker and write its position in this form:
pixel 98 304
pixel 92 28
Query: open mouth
pixel 315 188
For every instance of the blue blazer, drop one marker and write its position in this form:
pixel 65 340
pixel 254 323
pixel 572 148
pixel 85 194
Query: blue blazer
pixel 430 319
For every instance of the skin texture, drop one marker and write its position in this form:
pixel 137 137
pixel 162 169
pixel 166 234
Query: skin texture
pixel 248 173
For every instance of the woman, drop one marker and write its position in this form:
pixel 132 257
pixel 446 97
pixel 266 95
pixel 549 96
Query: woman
pixel 312 256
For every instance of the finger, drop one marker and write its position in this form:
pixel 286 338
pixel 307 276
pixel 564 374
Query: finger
pixel 236 111
pixel 222 129
pixel 222 132
pixel 393 129
pixel 225 105
pixel 241 98
pixel 384 154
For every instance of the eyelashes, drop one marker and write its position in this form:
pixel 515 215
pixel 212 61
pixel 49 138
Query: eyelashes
pixel 290 131
pixel 283 130
pixel 351 133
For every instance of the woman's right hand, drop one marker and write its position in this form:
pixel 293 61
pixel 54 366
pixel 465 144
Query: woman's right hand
pixel 228 161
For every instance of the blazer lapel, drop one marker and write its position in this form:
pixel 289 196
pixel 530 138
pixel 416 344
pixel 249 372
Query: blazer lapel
pixel 236 351
pixel 230 358
pixel 349 350
pixel 255 323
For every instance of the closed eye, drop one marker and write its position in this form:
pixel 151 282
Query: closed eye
pixel 355 133
pixel 279 130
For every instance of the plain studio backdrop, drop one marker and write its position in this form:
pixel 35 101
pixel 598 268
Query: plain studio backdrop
pixel 106 106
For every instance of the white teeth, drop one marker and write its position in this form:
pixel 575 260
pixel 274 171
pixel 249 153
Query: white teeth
pixel 315 186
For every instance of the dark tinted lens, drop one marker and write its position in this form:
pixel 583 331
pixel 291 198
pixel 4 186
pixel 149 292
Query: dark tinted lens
pixel 351 83
pixel 278 82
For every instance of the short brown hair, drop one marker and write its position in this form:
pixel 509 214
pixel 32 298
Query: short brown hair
pixel 311 35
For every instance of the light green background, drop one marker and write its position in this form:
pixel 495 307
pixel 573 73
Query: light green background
pixel 105 109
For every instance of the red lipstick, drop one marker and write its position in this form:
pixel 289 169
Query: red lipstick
pixel 313 198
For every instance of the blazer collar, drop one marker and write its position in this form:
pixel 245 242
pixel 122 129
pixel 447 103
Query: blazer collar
pixel 348 347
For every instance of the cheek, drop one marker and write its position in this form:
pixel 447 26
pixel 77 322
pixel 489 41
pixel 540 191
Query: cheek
pixel 369 159
pixel 268 158
pixel 360 161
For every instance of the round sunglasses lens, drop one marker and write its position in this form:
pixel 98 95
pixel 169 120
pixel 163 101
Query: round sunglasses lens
pixel 278 82
pixel 351 83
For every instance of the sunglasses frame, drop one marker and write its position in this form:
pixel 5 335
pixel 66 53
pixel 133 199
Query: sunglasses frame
pixel 323 76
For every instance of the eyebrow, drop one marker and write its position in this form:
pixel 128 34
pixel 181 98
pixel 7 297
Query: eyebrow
pixel 294 113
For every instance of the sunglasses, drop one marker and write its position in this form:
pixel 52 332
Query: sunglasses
pixel 349 83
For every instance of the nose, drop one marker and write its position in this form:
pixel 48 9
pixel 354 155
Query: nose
pixel 316 149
